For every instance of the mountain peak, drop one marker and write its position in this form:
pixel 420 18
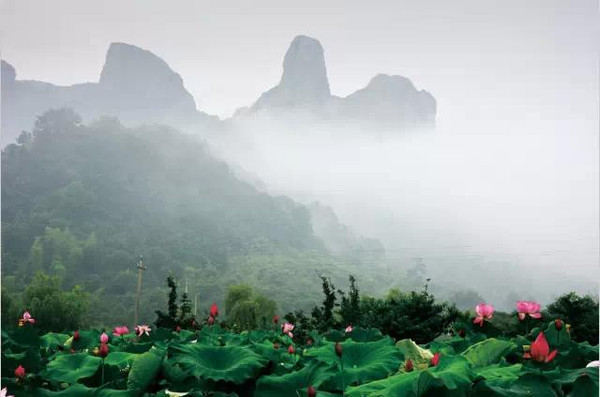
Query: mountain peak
pixel 304 80
pixel 7 74
pixel 143 81
pixel 304 70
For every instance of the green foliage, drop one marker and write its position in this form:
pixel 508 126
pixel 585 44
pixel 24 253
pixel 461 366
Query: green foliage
pixel 323 316
pixel 83 201
pixel 415 315
pixel 247 309
pixel 216 361
pixel 53 308
pixel 488 352
pixel 361 361
pixel 144 370
pixel 350 305
pixel 71 368
pixel 314 374
pixel 581 312
pixel 172 304
pixel 234 364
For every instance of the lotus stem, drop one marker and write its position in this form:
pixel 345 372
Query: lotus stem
pixel 343 381
pixel 102 371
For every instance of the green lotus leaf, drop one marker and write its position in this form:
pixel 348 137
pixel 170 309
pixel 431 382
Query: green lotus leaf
pixel 52 340
pixel 566 378
pixel 529 384
pixel 78 390
pixel 234 364
pixel 70 368
pixel 359 334
pixel 288 385
pixel 362 362
pixel 451 375
pixel 144 369
pixel 488 352
pixel 268 351
pixel 500 372
pixel 586 385
pixel 120 359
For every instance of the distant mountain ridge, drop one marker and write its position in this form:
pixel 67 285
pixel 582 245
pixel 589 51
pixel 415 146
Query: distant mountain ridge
pixel 137 86
pixel 390 101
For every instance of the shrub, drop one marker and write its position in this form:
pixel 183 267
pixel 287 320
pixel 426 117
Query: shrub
pixel 414 315
pixel 579 311
pixel 54 309
pixel 247 309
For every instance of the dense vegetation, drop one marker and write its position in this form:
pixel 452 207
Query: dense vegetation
pixel 243 355
pixel 80 203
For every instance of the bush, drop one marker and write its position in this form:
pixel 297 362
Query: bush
pixel 581 312
pixel 414 315
pixel 246 309
pixel 55 310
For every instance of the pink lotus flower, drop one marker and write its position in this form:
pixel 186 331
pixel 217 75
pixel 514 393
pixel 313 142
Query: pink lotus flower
pixel 484 312
pixel 540 350
pixel 20 372
pixel 142 329
pixel 26 319
pixel 214 310
pixel 530 308
pixel 287 328
pixel 3 393
pixel 348 329
pixel 435 360
pixel 104 338
pixel 593 364
pixel 120 331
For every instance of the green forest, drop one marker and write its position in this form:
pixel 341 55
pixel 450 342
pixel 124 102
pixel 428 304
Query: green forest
pixel 81 203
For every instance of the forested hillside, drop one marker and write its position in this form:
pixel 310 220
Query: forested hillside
pixel 83 202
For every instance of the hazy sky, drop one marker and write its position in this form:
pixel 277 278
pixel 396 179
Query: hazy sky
pixel 482 60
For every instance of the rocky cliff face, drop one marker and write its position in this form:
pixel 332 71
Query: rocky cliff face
pixel 135 85
pixel 304 82
pixel 387 101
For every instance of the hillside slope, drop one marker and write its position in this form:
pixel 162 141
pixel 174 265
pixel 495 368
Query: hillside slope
pixel 84 201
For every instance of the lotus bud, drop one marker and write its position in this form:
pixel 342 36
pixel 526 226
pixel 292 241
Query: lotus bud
pixel 435 360
pixel 20 372
pixel 211 320
pixel 408 367
pixel 291 349
pixel 103 351
pixel 338 349
pixel 275 345
pixel 178 329
pixel 275 319
pixel 311 392
pixel 462 333
pixel 104 338
pixel 76 335
pixel 214 310
pixel 558 324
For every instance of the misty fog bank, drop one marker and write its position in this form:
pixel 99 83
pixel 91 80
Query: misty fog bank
pixel 497 210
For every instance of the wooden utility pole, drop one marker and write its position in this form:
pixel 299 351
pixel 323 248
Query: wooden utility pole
pixel 140 267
